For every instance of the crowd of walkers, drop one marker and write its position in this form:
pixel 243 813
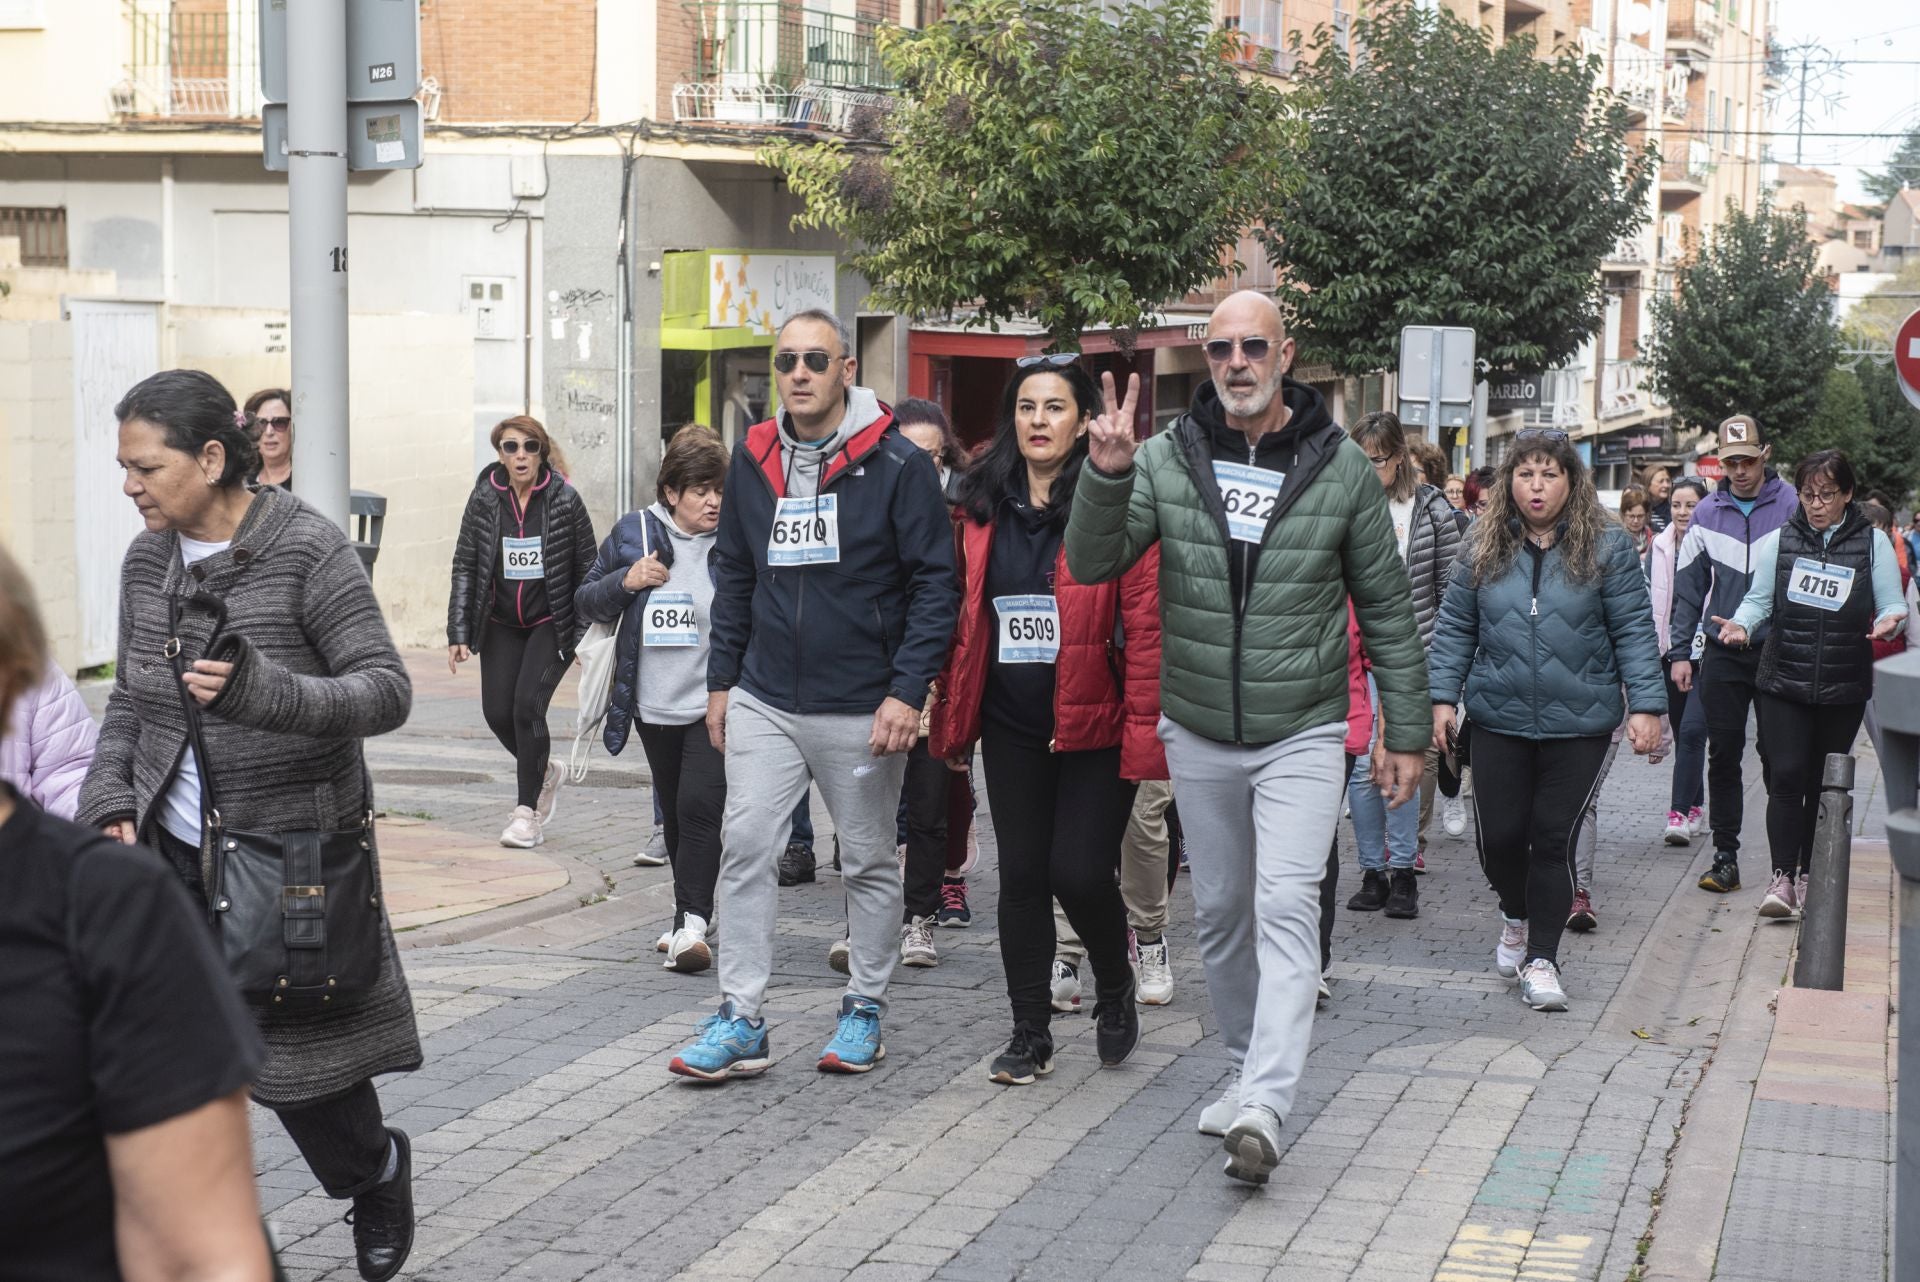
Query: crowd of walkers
pixel 1194 651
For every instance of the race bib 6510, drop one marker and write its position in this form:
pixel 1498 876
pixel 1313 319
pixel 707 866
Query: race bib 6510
pixel 805 532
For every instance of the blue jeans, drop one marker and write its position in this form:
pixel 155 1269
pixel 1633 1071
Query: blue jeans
pixel 1386 838
pixel 802 834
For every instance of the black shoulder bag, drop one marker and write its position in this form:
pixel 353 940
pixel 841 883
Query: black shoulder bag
pixel 297 914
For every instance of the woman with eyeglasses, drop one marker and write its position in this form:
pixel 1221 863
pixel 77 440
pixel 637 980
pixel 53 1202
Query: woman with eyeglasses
pixel 1686 716
pixel 1392 843
pixel 525 544
pixel 1830 584
pixel 1059 682
pixel 270 415
pixel 1545 619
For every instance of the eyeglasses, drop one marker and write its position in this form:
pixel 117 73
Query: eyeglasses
pixel 273 424
pixel 1380 464
pixel 817 361
pixel 514 447
pixel 1821 497
pixel 1254 349
pixel 1051 360
pixel 1550 434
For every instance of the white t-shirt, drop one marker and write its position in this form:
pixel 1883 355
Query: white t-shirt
pixel 180 812
pixel 1402 510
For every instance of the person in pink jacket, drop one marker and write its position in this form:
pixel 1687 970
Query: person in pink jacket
pixel 1685 723
pixel 47 744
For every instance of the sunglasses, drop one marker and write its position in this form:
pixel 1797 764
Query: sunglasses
pixel 514 447
pixel 1254 349
pixel 1051 360
pixel 816 361
pixel 1552 435
pixel 273 424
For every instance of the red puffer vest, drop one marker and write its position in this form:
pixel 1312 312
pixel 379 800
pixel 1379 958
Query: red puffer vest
pixel 1103 694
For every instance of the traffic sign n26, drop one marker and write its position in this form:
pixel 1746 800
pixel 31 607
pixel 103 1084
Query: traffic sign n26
pixel 1906 357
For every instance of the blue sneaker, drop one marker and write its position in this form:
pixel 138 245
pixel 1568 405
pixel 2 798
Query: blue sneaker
pixel 728 1046
pixel 855 1047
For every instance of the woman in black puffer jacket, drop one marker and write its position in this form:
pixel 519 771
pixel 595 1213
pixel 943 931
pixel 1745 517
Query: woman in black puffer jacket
pixel 525 544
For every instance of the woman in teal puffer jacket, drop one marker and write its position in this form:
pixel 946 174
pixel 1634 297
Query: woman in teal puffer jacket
pixel 1546 618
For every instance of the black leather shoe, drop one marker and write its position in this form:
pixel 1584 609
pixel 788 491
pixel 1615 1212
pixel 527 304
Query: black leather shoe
pixel 382 1219
pixel 1403 897
pixel 796 865
pixel 1372 895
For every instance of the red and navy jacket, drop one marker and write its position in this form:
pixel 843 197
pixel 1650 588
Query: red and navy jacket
pixel 842 637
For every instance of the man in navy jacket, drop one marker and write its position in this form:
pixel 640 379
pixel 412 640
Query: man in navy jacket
pixel 834 603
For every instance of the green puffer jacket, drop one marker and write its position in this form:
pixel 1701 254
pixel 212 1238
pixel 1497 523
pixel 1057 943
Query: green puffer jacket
pixel 1254 647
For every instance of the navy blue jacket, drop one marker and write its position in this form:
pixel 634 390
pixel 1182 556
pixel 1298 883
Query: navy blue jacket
pixel 836 638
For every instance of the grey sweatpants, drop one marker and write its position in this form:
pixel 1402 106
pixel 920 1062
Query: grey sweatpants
pixel 770 757
pixel 1258 823
pixel 1587 838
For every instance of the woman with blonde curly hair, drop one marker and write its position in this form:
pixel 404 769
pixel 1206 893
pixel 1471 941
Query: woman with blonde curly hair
pixel 1545 619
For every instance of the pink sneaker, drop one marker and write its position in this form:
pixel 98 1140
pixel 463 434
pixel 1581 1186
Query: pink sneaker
pixel 1420 861
pixel 1696 821
pixel 1800 895
pixel 1679 831
pixel 1780 898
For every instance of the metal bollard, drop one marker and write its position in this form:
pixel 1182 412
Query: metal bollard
pixel 1823 920
pixel 1896 702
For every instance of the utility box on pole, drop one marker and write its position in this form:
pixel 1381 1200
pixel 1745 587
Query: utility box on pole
pixel 1436 377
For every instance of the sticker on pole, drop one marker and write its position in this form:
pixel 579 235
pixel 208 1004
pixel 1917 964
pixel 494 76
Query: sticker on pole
pixel 1906 357
pixel 389 148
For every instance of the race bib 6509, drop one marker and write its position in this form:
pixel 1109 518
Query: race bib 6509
pixel 1029 629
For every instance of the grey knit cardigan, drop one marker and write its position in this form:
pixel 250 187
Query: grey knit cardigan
pixel 315 672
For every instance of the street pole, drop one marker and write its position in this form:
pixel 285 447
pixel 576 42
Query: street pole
pixel 1823 919
pixel 1897 705
pixel 317 244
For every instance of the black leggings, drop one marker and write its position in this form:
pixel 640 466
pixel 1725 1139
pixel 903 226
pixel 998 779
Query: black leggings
pixel 1058 818
pixel 925 798
pixel 690 779
pixel 1526 833
pixel 519 669
pixel 1799 736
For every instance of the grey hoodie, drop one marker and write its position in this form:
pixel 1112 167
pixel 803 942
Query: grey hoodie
pixel 805 460
pixel 672 689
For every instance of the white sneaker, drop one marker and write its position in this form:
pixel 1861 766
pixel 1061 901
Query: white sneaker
pixel 665 941
pixel 655 855
pixel 972 859
pixel 1800 895
pixel 1253 1144
pixel 523 829
pixel 1216 1117
pixel 1512 948
pixel 549 802
pixel 916 943
pixel 1540 986
pixel 688 952
pixel 840 956
pixel 1325 994
pixel 1697 822
pixel 1453 814
pixel 1153 974
pixel 1066 987
pixel 1678 831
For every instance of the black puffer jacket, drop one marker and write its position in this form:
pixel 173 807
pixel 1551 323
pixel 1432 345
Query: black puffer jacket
pixel 567 546
pixel 1813 655
pixel 1432 545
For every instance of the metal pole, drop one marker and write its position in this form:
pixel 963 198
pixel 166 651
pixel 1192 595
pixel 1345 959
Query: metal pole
pixel 317 249
pixel 1823 920
pixel 1896 702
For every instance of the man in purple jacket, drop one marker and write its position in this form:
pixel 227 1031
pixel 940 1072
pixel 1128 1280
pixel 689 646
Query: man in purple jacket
pixel 47 747
pixel 1715 568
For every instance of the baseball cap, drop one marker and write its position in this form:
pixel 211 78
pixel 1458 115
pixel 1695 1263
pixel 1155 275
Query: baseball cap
pixel 1740 437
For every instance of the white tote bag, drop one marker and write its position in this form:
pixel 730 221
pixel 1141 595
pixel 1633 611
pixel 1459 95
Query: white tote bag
pixel 597 651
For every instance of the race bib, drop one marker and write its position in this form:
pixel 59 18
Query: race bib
pixel 522 559
pixel 1250 493
pixel 1029 629
pixel 1824 587
pixel 670 620
pixel 805 532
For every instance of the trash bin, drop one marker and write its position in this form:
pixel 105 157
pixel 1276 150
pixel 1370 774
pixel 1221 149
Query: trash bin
pixel 366 514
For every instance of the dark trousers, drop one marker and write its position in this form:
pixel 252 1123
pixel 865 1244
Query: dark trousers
pixel 343 1139
pixel 1688 717
pixel 1058 818
pixel 519 669
pixel 802 832
pixel 1799 737
pixel 1330 888
pixel 1526 832
pixel 924 799
pixel 1725 683
pixel 690 778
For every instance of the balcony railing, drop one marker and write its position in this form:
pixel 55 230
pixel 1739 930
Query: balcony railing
pixel 1636 74
pixel 1263 37
pixel 1694 22
pixel 763 62
pixel 1691 163
pixel 1559 401
pixel 192 65
pixel 1673 99
pixel 1620 389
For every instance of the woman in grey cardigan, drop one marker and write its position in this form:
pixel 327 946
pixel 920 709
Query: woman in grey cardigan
pixel 311 672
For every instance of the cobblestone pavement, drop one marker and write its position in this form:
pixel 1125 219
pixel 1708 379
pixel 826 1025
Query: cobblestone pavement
pixel 1443 1130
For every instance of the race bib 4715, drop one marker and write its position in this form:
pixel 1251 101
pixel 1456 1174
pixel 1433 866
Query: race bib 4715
pixel 1824 587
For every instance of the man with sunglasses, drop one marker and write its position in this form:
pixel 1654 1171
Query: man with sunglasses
pixel 834 601
pixel 1269 521
pixel 1714 569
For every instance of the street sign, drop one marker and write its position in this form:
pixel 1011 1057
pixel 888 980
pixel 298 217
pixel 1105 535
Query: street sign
pixel 1707 468
pixel 1906 357
pixel 383 49
pixel 380 135
pixel 1436 376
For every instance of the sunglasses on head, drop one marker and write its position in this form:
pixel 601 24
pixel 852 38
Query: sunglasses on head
pixel 1221 349
pixel 1552 435
pixel 277 424
pixel 817 361
pixel 1050 360
pixel 514 447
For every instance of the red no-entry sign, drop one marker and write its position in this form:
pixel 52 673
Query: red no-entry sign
pixel 1906 357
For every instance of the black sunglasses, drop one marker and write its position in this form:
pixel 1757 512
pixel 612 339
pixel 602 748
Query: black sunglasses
pixel 514 447
pixel 817 361
pixel 1221 349
pixel 284 424
pixel 1051 360
pixel 1550 434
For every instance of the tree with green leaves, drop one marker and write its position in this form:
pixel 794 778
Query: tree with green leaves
pixel 1903 170
pixel 1448 182
pixel 1889 458
pixel 1054 159
pixel 1748 328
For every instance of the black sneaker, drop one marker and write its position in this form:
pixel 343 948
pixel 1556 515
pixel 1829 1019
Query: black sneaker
pixel 1372 895
pixel 796 864
pixel 1116 1027
pixel 1403 899
pixel 836 854
pixel 1029 1055
pixel 1724 877
pixel 382 1219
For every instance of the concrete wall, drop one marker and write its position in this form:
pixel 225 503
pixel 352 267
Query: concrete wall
pixel 66 70
pixel 36 486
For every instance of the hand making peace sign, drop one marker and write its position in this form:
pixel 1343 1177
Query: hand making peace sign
pixel 1110 442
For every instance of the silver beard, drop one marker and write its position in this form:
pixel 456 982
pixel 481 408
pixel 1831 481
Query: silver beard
pixel 1249 404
